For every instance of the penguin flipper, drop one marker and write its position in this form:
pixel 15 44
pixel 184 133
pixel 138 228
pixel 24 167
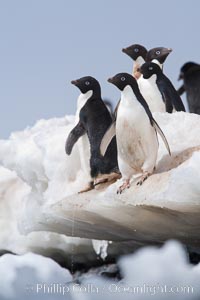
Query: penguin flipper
pixel 168 104
pixel 159 130
pixel 116 109
pixel 176 101
pixel 73 137
pixel 181 90
pixel 107 138
pixel 178 104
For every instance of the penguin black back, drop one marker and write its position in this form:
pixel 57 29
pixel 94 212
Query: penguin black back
pixel 94 120
pixel 166 88
pixel 190 74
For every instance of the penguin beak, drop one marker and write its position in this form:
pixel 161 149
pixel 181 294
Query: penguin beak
pixel 126 51
pixel 111 80
pixel 75 82
pixel 166 52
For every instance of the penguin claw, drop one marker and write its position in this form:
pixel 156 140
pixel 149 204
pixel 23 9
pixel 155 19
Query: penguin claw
pixel 88 188
pixel 142 179
pixel 125 185
pixel 112 177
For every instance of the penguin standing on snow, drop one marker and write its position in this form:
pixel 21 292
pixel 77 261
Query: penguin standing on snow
pixel 190 74
pixel 163 89
pixel 94 120
pixel 136 132
pixel 157 55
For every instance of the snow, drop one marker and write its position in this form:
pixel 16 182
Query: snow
pixel 100 248
pixel 13 196
pixel 22 275
pixel 150 273
pixel 39 193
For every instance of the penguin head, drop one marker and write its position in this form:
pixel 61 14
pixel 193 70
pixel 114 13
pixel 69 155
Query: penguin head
pixel 135 51
pixel 148 69
pixel 121 80
pixel 187 67
pixel 86 84
pixel 160 54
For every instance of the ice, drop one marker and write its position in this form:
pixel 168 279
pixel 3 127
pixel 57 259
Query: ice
pixel 13 195
pixel 152 273
pixel 100 248
pixel 24 277
pixel 149 273
pixel 47 183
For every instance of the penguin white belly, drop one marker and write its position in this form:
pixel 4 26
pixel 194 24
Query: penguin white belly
pixel 151 94
pixel 136 139
pixel 83 142
pixel 84 152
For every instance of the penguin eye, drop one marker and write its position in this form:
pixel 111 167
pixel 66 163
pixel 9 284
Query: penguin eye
pixel 150 68
pixel 136 50
pixel 157 52
pixel 123 78
pixel 87 83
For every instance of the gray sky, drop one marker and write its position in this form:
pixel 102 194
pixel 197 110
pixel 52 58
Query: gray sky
pixel 47 43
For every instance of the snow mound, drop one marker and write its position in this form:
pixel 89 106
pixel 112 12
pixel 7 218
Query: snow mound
pixel 22 277
pixel 150 273
pixel 13 196
pixel 166 206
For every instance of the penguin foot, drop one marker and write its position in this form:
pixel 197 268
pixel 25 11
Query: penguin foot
pixel 106 178
pixel 143 178
pixel 88 188
pixel 125 185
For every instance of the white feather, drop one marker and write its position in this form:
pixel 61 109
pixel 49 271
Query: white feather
pixel 107 138
pixel 151 93
pixel 155 61
pixel 81 101
pixel 83 142
pixel 136 138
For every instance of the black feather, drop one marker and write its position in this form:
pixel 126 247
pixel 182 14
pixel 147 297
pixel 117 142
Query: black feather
pixel 73 137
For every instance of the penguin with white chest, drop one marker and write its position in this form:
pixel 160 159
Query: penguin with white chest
pixel 157 55
pixel 136 132
pixel 93 120
pixel 163 89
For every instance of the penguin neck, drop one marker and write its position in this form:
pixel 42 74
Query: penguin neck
pixel 152 80
pixel 132 100
pixel 128 96
pixel 137 64
pixel 140 61
pixel 155 61
pixel 83 98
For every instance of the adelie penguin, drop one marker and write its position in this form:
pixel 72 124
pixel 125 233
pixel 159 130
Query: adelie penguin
pixel 94 119
pixel 136 132
pixel 162 88
pixel 190 74
pixel 157 55
pixel 138 54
